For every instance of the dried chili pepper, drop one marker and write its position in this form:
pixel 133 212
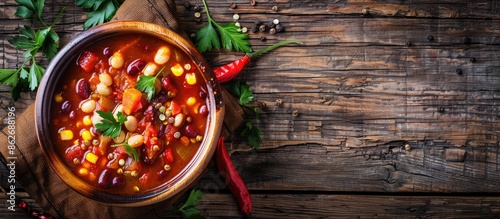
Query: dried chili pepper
pixel 232 177
pixel 228 71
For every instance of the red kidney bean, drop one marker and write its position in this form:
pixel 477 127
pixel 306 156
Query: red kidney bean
pixel 106 52
pixel 161 174
pixel 83 88
pixel 136 66
pixel 117 182
pixel 166 83
pixel 149 113
pixel 66 107
pixel 161 97
pixel 190 131
pixel 105 178
pixel 161 131
pixel 72 114
pixel 203 110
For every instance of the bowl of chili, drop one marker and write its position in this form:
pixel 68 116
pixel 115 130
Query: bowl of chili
pixel 129 113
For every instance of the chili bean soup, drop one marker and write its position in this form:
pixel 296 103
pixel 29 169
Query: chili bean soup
pixel 129 113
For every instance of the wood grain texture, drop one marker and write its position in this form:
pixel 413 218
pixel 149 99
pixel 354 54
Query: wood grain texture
pixel 398 106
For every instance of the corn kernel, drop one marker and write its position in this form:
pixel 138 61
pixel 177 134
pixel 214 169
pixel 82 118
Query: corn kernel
pixel 191 101
pixel 87 121
pixel 58 98
pixel 177 70
pixel 136 189
pixel 191 78
pixel 83 171
pixel 66 135
pixel 86 135
pixel 91 157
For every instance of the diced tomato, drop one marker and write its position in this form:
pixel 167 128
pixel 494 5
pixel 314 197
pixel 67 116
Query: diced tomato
pixel 149 133
pixel 170 130
pixel 131 100
pixel 168 156
pixel 175 107
pixel 144 179
pixel 87 61
pixel 73 152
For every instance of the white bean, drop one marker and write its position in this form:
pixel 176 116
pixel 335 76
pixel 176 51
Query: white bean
pixel 118 108
pixel 116 61
pixel 106 79
pixel 120 138
pixel 88 106
pixel 178 120
pixel 96 118
pixel 135 140
pixel 102 89
pixel 131 123
pixel 162 55
pixel 150 69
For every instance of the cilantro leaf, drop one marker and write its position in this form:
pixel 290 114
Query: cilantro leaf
pixel 253 135
pixel 50 45
pixel 129 150
pixel 24 12
pixel 101 11
pixel 109 125
pixel 28 8
pixel 188 209
pixel 230 36
pixel 146 84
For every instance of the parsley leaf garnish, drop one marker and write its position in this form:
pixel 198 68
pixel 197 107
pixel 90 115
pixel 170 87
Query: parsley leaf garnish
pixel 188 209
pixel 244 94
pixel 146 84
pixel 253 134
pixel 100 11
pixel 109 125
pixel 207 37
pixel 30 41
pixel 129 150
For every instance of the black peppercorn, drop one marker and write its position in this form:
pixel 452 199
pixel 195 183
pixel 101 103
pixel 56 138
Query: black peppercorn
pixel 270 24
pixel 408 43
pixel 466 40
pixel 430 38
pixel 279 28
pixel 187 5
pixel 196 8
pixel 233 5
pixel 262 38
pixel 272 30
pixel 473 59
pixel 255 29
pixel 459 71
pixel 262 28
pixel 441 109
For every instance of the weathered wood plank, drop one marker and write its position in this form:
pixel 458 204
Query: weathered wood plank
pixel 399 166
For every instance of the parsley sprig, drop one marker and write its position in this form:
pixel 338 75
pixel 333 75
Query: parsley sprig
pixel 146 84
pixel 129 150
pixel 30 41
pixel 230 36
pixel 100 11
pixel 109 125
pixel 188 209
pixel 252 133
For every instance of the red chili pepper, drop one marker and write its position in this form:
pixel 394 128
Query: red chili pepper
pixel 232 177
pixel 229 71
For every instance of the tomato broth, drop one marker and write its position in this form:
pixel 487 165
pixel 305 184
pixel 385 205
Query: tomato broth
pixel 129 113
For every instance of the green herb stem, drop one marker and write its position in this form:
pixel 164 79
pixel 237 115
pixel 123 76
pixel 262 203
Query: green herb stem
pixel 252 55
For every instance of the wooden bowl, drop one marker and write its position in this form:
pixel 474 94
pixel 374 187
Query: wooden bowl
pixel 167 191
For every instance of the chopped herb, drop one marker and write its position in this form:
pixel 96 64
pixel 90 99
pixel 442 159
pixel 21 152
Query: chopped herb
pixel 100 11
pixel 129 149
pixel 31 41
pixel 230 36
pixel 146 84
pixel 109 125
pixel 188 209
pixel 245 95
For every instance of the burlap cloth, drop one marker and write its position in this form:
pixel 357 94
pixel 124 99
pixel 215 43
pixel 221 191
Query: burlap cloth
pixel 40 181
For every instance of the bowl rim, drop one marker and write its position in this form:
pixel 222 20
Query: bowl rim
pixel 167 191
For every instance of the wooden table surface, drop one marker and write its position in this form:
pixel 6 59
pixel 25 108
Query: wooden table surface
pixel 398 107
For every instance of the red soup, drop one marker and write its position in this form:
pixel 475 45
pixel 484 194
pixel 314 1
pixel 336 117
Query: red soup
pixel 130 112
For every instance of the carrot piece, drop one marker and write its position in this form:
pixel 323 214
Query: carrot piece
pixel 131 100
